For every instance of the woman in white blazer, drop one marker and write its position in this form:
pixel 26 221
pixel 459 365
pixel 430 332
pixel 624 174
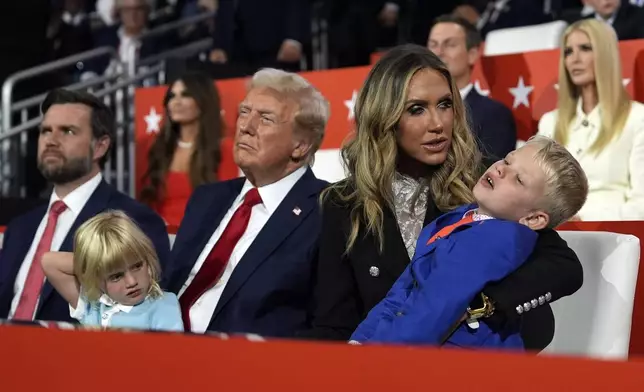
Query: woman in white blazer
pixel 599 123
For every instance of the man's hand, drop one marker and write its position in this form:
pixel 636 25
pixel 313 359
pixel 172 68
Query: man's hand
pixel 290 51
pixel 218 56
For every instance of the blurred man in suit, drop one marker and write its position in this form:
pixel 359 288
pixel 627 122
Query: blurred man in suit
pixel 627 19
pixel 244 254
pixel 260 33
pixel 457 43
pixel 76 134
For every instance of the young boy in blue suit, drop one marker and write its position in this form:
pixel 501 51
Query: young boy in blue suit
pixel 539 185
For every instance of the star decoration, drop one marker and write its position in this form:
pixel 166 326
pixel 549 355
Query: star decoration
pixel 153 121
pixel 521 93
pixel 350 104
pixel 479 89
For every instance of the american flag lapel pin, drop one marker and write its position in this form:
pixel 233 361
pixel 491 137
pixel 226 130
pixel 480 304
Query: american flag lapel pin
pixel 297 211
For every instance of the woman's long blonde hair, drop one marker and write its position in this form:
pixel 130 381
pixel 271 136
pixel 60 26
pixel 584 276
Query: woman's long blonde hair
pixel 614 102
pixel 371 155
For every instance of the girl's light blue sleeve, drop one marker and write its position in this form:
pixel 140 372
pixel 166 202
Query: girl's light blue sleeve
pixel 167 314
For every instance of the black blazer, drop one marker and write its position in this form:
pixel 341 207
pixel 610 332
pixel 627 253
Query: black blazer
pixel 493 124
pixel 260 25
pixel 348 286
pixel 629 22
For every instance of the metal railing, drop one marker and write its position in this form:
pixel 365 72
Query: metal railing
pixel 117 91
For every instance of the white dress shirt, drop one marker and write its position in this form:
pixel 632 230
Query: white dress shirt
pixel 466 90
pixel 616 173
pixel 272 195
pixel 75 201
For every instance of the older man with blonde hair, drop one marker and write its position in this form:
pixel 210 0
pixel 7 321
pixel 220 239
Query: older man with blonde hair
pixel 243 258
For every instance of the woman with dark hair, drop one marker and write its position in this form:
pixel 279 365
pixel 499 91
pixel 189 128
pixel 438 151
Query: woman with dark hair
pixel 413 158
pixel 187 151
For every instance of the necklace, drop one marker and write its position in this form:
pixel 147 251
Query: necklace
pixel 183 144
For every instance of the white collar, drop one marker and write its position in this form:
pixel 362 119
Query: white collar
pixel 273 194
pixel 594 117
pixel 609 20
pixel 76 199
pixel 121 33
pixel 107 301
pixel 476 216
pixel 466 90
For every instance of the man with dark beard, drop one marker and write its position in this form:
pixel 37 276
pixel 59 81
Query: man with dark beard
pixel 76 134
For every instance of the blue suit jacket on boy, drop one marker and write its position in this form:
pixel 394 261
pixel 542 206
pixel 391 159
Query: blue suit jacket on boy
pixel 442 279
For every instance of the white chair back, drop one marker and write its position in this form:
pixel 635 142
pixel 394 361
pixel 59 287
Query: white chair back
pixel 596 321
pixel 524 39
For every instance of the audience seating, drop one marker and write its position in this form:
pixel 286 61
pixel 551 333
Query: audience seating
pixel 596 321
pixel 524 39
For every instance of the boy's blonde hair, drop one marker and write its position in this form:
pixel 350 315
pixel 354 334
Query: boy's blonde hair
pixel 111 242
pixel 566 183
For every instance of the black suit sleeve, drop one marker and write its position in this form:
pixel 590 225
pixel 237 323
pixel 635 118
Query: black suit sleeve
pixel 154 227
pixel 224 26
pixel 552 268
pixel 337 302
pixel 299 21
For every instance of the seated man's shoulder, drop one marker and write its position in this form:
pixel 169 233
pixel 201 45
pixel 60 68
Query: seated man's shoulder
pixel 497 106
pixel 133 208
pixel 36 213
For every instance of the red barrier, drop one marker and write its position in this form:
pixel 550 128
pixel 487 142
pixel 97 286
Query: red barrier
pixel 35 359
pixel 635 228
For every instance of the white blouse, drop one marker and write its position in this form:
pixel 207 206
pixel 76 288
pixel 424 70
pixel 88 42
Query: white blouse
pixel 616 174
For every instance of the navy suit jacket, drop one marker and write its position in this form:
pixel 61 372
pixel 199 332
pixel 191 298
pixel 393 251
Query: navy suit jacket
pixel 493 124
pixel 261 25
pixel 21 231
pixel 270 290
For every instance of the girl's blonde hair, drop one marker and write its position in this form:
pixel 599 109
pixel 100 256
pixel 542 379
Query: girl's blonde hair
pixel 111 242
pixel 371 155
pixel 614 102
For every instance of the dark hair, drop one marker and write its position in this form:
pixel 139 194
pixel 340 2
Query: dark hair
pixel 206 156
pixel 473 38
pixel 101 118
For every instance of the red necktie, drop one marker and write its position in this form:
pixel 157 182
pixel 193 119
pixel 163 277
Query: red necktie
pixel 212 268
pixel 36 276
pixel 447 230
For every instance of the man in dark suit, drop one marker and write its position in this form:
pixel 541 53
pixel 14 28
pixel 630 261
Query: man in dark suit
pixel 244 254
pixel 76 134
pixel 457 43
pixel 627 19
pixel 260 33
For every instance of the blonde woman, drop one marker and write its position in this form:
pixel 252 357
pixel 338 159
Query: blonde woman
pixel 112 278
pixel 412 159
pixel 598 123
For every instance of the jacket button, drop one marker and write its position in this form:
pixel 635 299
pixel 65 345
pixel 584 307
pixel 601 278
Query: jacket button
pixel 374 271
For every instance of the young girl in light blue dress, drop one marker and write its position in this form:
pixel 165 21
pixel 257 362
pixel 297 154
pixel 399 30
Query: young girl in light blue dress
pixel 111 279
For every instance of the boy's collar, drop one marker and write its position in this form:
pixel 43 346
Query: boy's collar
pixel 107 301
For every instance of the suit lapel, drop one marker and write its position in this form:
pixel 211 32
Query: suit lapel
pixel 284 221
pixel 25 229
pixel 394 256
pixel 96 204
pixel 209 221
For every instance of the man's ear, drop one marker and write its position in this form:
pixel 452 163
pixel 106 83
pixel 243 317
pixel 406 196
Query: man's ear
pixel 537 220
pixel 301 148
pixel 473 56
pixel 101 146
